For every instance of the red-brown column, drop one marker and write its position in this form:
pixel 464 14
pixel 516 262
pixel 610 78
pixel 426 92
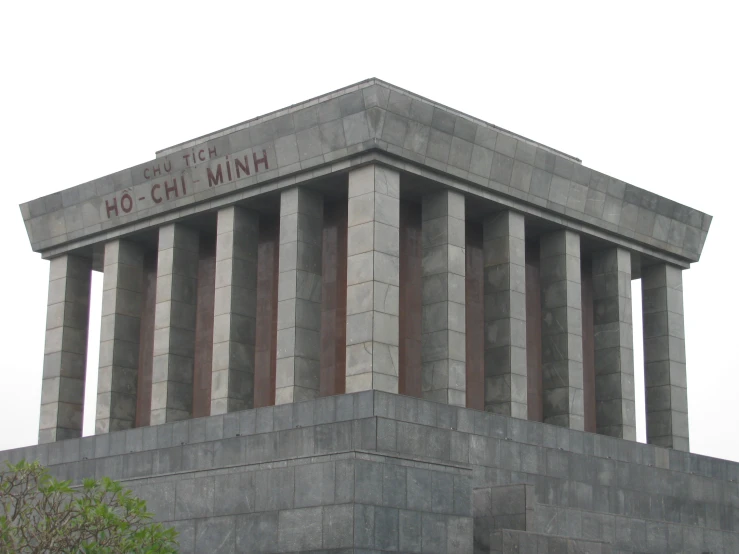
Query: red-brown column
pixel 146 340
pixel 475 314
pixel 265 359
pixel 333 299
pixel 202 372
pixel 411 285
pixel 588 347
pixel 533 333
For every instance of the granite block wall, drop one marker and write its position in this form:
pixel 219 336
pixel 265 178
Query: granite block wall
pixel 389 469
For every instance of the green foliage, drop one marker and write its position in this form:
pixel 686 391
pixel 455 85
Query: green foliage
pixel 41 514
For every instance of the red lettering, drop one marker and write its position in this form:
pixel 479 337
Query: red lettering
pixel 262 160
pixel 157 171
pixel 110 208
pixel 184 188
pixel 126 200
pixel 243 167
pixel 146 173
pixel 171 188
pixel 215 179
pixel 201 155
pixel 156 199
pixel 212 152
pixel 187 159
pixel 167 163
pixel 228 168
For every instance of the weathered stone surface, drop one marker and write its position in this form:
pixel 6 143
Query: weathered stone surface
pixel 65 349
pixel 320 135
pixel 174 324
pixel 561 329
pixel 234 322
pixel 119 336
pixel 664 357
pixel 373 280
pixel 299 296
pixel 443 314
pixel 504 267
pixel 322 485
pixel 613 344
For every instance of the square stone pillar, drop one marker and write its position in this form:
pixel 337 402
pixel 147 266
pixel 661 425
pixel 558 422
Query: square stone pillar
pixel 174 324
pixel 234 323
pixel 299 296
pixel 65 350
pixel 561 330
pixel 664 357
pixel 373 279
pixel 443 321
pixel 504 267
pixel 120 331
pixel 614 344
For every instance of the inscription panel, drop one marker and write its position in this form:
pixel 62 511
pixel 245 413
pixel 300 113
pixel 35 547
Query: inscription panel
pixel 165 184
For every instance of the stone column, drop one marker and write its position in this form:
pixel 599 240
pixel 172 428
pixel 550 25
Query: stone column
pixel 174 324
pixel 373 279
pixel 299 296
pixel 65 350
pixel 120 330
pixel 234 323
pixel 561 332
pixel 664 357
pixel 443 311
pixel 614 344
pixel 504 266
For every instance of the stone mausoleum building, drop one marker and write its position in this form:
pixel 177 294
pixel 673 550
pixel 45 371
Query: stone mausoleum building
pixel 371 323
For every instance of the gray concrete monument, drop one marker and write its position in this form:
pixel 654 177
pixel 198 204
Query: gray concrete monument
pixel 372 323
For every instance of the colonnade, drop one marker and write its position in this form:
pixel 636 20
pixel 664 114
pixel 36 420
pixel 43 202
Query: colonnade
pixel 334 298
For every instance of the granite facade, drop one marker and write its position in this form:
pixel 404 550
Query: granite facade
pixel 372 242
pixel 65 349
pixel 320 136
pixel 373 280
pixel 665 375
pixel 443 321
pixel 120 334
pixel 174 324
pixel 613 344
pixel 299 296
pixel 235 312
pixel 561 330
pixel 504 282
pixel 379 472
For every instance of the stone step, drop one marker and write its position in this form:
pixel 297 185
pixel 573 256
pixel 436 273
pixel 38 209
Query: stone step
pixel 510 541
pixel 514 508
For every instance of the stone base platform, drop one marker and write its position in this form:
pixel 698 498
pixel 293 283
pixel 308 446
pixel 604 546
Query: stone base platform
pixel 378 472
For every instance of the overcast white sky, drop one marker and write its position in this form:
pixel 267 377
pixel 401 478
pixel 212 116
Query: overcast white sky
pixel 643 91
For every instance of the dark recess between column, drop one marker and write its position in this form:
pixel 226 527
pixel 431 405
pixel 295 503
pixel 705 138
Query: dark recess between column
pixel 588 346
pixel 333 299
pixel 146 340
pixel 533 333
pixel 475 316
pixel 202 371
pixel 265 359
pixel 411 289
